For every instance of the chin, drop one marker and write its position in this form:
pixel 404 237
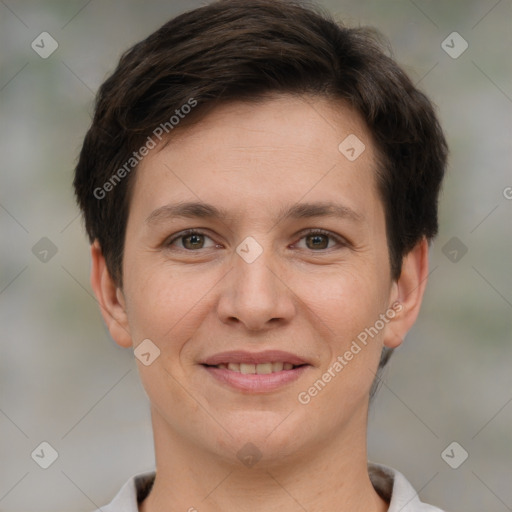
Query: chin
pixel 266 435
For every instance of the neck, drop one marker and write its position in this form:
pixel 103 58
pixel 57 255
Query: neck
pixel 191 479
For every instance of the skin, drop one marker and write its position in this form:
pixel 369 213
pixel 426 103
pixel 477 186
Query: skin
pixel 308 296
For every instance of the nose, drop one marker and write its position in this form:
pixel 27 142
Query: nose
pixel 256 294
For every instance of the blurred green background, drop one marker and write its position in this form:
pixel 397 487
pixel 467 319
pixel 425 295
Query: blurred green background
pixel 62 380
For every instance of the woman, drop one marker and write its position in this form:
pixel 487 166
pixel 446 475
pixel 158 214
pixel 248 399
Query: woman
pixel 260 186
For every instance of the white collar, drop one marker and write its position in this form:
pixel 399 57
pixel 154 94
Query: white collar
pixel 388 482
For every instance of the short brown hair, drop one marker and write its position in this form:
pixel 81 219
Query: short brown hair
pixel 244 50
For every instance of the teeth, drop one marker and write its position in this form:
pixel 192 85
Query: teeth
pixel 263 368
pixel 247 368
pixel 277 367
pixel 260 369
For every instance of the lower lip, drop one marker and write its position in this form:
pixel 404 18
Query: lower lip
pixel 254 382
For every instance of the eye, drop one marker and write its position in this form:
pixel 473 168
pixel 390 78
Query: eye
pixel 191 239
pixel 318 239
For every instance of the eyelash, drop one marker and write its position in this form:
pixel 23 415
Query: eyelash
pixel 341 241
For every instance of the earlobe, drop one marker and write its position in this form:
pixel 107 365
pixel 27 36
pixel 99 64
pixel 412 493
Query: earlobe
pixel 408 293
pixel 110 298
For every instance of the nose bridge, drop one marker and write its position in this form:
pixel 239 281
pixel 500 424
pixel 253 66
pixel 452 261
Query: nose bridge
pixel 254 293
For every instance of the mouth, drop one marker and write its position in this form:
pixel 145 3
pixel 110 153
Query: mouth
pixel 255 372
pixel 256 369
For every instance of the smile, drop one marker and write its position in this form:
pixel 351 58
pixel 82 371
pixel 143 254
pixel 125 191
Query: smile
pixel 255 372
pixel 260 369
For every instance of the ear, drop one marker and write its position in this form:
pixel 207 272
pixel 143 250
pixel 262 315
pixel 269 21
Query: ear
pixel 110 298
pixel 407 294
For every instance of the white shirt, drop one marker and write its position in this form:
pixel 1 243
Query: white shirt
pixel 389 483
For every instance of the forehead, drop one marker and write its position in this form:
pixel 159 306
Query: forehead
pixel 281 150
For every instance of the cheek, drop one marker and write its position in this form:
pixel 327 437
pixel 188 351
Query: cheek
pixel 347 305
pixel 345 300
pixel 160 301
pixel 169 305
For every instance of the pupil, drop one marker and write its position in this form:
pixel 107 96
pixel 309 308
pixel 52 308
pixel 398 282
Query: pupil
pixel 195 239
pixel 316 238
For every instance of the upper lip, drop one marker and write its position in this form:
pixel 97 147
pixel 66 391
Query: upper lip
pixel 242 356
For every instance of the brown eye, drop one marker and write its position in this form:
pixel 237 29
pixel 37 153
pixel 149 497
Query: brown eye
pixel 190 240
pixel 194 241
pixel 317 241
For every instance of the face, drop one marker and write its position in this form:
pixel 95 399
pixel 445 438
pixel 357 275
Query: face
pixel 270 317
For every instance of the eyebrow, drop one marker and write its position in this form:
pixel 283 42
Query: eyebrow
pixel 199 210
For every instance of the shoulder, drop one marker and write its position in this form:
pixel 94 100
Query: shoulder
pixel 396 489
pixel 132 492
